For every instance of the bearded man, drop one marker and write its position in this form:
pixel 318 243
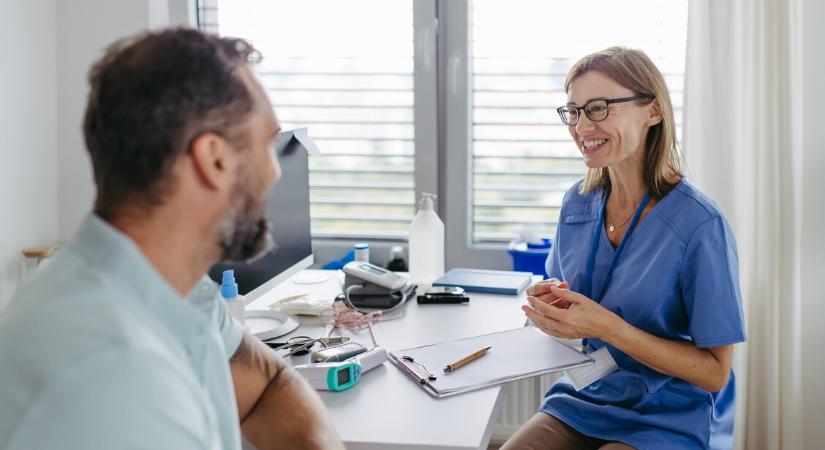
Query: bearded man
pixel 121 341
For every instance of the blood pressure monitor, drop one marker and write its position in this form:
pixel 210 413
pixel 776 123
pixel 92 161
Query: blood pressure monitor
pixel 374 274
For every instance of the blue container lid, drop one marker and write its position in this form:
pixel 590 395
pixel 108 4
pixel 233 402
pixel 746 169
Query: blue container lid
pixel 525 248
pixel 545 243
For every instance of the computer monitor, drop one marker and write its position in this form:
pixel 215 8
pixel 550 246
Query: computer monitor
pixel 288 212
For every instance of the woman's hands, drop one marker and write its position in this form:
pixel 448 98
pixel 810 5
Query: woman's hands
pixel 541 291
pixel 566 314
pixel 563 313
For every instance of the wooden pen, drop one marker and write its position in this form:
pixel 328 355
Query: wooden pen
pixel 467 359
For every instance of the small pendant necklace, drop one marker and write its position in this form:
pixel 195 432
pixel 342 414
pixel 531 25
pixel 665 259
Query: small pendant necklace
pixel 612 227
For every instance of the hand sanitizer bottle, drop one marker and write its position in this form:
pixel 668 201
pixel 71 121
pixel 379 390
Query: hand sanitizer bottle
pixel 229 291
pixel 426 243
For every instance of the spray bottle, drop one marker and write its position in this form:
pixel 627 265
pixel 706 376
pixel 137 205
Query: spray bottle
pixel 229 291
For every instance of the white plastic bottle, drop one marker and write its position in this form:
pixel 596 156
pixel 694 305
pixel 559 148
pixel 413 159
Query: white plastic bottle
pixel 426 243
pixel 234 301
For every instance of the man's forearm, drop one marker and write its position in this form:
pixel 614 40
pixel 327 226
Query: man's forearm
pixel 277 408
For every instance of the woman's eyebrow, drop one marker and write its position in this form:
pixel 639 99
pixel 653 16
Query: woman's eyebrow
pixel 588 101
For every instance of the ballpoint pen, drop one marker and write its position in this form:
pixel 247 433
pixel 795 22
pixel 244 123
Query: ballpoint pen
pixel 467 359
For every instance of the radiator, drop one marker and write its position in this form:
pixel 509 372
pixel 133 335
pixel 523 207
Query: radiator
pixel 521 403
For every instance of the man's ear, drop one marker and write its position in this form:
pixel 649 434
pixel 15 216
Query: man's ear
pixel 210 155
pixel 655 112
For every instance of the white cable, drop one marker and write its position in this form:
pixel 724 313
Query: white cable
pixel 372 335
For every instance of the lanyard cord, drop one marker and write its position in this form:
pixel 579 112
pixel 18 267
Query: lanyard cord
pixel 591 260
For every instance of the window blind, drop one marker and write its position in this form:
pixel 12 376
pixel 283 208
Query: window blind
pixel 331 67
pixel 523 157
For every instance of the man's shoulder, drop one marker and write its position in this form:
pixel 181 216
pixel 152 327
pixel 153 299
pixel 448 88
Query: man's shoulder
pixel 69 310
pixel 80 353
pixel 68 324
pixel 106 399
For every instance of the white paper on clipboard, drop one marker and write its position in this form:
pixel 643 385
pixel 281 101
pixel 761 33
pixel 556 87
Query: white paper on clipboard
pixel 515 354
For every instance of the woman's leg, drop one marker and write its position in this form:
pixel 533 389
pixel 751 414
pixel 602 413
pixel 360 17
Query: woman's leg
pixel 545 432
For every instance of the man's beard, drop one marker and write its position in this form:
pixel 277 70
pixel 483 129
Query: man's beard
pixel 245 232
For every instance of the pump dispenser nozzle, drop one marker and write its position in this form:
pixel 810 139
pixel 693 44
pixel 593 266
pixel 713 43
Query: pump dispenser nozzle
pixel 229 288
pixel 427 201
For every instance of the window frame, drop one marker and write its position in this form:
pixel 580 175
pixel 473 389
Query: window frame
pixel 443 137
pixel 457 138
pixel 426 131
pixel 425 124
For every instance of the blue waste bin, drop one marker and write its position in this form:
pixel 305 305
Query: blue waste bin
pixel 529 257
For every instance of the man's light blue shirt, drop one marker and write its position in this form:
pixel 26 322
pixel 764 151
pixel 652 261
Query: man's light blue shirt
pixel 98 351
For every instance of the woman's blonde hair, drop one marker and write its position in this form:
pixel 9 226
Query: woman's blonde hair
pixel 633 69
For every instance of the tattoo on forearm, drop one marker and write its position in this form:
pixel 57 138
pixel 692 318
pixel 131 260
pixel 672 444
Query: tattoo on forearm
pixel 249 353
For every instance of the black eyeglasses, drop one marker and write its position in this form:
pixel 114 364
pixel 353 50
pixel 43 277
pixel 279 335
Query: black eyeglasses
pixel 595 110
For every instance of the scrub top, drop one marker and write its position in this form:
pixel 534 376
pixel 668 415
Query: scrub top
pixel 677 279
pixel 99 351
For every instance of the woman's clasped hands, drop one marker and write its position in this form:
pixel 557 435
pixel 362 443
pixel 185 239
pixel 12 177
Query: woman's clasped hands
pixel 560 312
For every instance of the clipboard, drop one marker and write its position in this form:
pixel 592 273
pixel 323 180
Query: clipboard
pixel 515 354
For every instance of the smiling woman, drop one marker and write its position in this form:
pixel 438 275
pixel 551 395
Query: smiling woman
pixel 659 312
pixel 634 80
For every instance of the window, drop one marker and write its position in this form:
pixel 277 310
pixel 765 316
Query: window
pixel 329 66
pixel 523 159
pixel 453 97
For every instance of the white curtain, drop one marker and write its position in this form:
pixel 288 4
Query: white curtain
pixel 742 144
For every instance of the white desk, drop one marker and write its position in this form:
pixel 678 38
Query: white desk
pixel 387 410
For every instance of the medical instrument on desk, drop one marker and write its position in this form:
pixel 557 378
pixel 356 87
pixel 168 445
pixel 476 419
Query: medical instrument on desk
pixel 370 286
pixel 374 279
pixel 297 345
pixel 338 376
pixel 441 299
pixel 443 294
pixel 333 376
pixel 301 345
pixel 337 353
pixel 371 359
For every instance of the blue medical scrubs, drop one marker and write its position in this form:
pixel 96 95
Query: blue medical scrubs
pixel 677 278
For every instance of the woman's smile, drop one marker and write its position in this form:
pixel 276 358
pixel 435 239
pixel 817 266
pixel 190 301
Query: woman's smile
pixel 590 146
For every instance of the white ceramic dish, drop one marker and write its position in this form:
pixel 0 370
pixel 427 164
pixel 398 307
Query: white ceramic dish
pixel 266 324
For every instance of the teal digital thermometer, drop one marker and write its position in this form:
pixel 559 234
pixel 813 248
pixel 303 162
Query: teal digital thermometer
pixel 333 376
pixel 339 376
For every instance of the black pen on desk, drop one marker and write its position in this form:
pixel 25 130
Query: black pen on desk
pixel 467 359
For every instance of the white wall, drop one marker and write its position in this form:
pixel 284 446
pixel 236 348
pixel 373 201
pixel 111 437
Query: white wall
pixel 48 47
pixel 813 219
pixel 84 29
pixel 28 125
